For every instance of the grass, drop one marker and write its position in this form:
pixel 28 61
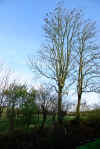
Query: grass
pixel 93 145
pixel 4 123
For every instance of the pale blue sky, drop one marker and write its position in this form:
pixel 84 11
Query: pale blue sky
pixel 21 31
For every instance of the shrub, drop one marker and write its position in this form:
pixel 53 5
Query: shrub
pixel 93 118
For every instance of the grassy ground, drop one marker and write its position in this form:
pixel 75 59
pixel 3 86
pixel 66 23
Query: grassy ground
pixel 93 145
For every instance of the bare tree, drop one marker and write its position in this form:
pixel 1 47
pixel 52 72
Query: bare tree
pixel 46 101
pixel 60 27
pixel 4 82
pixel 86 57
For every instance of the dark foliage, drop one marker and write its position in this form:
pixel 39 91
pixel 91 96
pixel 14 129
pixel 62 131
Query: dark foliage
pixel 51 138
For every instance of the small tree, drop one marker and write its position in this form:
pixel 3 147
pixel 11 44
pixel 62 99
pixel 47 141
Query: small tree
pixel 12 95
pixel 29 106
pixel 4 83
pixel 46 101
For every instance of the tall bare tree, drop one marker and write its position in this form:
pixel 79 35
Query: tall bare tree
pixel 87 52
pixel 60 27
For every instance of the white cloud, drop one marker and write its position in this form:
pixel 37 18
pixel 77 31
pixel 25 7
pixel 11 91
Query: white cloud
pixel 27 78
pixel 91 99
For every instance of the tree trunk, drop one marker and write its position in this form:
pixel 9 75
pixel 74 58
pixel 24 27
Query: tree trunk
pixel 38 116
pixel 78 107
pixel 11 124
pixel 44 112
pixel 12 119
pixel 59 105
pixel 1 111
pixel 53 116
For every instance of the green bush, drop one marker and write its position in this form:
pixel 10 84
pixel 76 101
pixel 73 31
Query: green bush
pixel 93 118
pixel 3 125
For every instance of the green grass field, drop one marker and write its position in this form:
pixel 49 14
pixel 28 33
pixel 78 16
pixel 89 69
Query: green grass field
pixel 93 145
